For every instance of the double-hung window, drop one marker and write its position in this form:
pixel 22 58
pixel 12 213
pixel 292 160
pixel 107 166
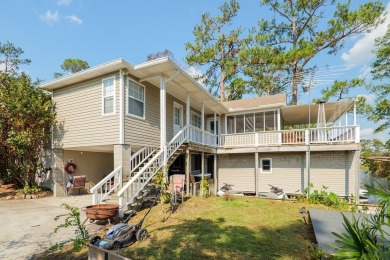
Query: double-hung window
pixel 196 120
pixel 108 85
pixel 266 165
pixel 136 99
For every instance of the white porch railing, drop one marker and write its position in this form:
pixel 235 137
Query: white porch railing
pixel 199 136
pixel 140 157
pixel 140 179
pixel 106 186
pixel 328 135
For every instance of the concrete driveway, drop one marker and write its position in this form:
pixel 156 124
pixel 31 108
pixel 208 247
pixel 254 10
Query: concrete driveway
pixel 27 226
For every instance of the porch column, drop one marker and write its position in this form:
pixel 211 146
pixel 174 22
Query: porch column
pixel 122 154
pixel 188 110
pixel 256 174
pixel 59 175
pixel 122 79
pixel 202 170
pixel 215 129
pixel 354 113
pixel 279 128
pixel 163 113
pixel 188 169
pixel 202 124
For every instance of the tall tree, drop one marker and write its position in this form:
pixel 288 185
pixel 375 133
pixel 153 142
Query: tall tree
pixel 25 120
pixel 10 58
pixel 216 48
pixel 300 30
pixel 71 66
pixel 372 153
pixel 381 73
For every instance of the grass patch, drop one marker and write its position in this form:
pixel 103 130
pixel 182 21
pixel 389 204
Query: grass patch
pixel 213 228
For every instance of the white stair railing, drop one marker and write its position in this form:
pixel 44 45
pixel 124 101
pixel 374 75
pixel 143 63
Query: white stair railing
pixel 140 179
pixel 106 186
pixel 140 157
pixel 177 141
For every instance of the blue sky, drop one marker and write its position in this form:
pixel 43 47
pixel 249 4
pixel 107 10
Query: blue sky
pixel 49 31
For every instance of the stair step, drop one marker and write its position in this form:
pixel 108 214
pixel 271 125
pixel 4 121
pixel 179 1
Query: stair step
pixel 135 204
pixel 128 212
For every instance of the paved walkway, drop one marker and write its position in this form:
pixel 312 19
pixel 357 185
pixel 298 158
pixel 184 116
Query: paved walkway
pixel 27 226
pixel 325 222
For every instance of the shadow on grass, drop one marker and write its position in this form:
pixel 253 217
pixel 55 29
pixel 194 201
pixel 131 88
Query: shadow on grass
pixel 206 239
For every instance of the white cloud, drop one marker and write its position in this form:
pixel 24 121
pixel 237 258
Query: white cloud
pixel 195 73
pixel 64 2
pixel 74 19
pixel 361 51
pixel 366 133
pixel 2 67
pixel 365 72
pixel 50 17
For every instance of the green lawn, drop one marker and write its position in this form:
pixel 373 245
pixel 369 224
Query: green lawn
pixel 213 228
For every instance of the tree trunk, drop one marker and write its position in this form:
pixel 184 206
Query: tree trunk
pixel 222 86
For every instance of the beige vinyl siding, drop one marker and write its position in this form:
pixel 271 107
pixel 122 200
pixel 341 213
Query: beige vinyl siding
pixel 93 165
pixel 287 172
pixel 144 132
pixel 237 169
pixel 80 121
pixel 336 170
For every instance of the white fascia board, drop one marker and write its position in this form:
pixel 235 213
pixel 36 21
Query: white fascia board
pixel 107 67
pixel 250 109
pixel 183 72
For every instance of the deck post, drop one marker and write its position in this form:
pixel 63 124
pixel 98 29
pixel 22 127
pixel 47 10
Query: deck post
pixel 256 174
pixel 215 174
pixel 188 168
pixel 202 170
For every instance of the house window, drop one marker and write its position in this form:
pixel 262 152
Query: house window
pixel 230 125
pixel 136 99
pixel 196 120
pixel 108 95
pixel 265 165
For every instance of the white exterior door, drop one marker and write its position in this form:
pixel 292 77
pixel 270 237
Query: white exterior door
pixel 177 118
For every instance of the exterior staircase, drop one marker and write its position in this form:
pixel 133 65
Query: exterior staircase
pixel 132 189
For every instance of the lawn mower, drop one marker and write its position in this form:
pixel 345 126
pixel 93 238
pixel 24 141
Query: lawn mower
pixel 123 235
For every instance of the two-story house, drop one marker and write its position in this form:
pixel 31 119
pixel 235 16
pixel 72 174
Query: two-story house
pixel 119 121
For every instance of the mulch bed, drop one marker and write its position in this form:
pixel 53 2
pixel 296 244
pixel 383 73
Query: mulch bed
pixel 9 192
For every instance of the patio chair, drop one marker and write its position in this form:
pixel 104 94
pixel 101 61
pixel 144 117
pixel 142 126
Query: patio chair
pixel 194 184
pixel 177 188
pixel 78 184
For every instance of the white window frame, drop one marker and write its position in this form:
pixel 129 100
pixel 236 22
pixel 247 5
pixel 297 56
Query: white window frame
pixel 175 104
pixel 200 118
pixel 127 99
pixel 114 94
pixel 261 165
